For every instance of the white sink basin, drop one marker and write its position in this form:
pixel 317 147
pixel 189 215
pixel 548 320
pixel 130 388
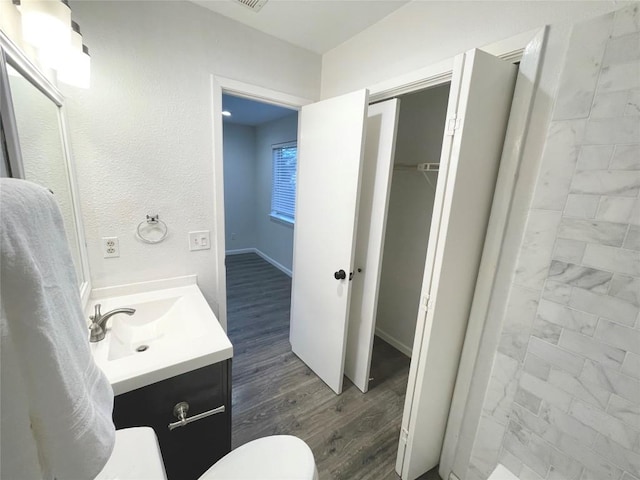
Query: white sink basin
pixel 162 320
pixel 173 331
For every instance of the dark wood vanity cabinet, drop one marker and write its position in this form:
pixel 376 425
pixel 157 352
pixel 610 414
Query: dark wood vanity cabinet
pixel 187 451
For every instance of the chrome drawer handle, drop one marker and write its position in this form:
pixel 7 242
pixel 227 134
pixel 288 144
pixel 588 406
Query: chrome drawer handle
pixel 180 412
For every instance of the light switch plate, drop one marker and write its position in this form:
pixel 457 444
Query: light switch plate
pixel 199 240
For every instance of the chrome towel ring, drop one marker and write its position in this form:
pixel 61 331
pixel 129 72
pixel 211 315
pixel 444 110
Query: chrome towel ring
pixel 152 230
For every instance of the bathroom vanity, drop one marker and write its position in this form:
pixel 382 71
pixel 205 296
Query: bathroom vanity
pixel 170 368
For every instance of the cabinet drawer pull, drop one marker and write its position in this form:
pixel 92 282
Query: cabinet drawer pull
pixel 180 412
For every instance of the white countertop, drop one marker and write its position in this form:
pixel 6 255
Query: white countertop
pixel 192 338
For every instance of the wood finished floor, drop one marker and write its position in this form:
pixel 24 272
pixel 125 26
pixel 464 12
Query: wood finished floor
pixel 354 435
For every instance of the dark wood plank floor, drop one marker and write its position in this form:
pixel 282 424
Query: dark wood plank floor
pixel 354 435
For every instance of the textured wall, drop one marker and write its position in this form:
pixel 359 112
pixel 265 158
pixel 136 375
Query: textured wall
pixel 419 140
pixel 142 135
pixel 239 186
pixel 564 395
pixel 274 238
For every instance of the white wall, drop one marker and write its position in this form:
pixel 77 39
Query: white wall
pixel 239 186
pixel 423 33
pixel 419 139
pixel 142 135
pixel 274 238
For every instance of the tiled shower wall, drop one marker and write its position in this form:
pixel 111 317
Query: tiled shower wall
pixel 564 396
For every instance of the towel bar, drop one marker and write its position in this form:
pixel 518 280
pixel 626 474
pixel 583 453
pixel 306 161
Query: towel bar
pixel 180 411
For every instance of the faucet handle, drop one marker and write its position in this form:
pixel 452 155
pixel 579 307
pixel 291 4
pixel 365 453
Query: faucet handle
pixel 97 313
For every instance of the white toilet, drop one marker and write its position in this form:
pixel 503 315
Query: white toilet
pixel 279 457
pixel 136 456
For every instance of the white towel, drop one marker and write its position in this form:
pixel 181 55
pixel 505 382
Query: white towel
pixel 69 400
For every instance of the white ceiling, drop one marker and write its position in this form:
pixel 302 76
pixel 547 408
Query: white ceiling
pixel 316 25
pixel 249 112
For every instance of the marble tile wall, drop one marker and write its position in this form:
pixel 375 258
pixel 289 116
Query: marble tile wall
pixel 563 401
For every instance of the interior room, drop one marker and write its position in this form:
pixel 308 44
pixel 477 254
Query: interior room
pixel 259 144
pixel 259 211
pixel 320 240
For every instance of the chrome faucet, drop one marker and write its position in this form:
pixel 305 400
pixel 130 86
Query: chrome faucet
pixel 99 321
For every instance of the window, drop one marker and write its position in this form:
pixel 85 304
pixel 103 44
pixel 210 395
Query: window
pixel 283 190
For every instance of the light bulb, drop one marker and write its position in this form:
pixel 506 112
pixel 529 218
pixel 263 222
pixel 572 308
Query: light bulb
pixel 75 70
pixel 46 26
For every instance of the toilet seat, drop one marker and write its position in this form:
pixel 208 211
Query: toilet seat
pixel 279 457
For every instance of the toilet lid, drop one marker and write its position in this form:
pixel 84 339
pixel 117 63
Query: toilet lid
pixel 279 457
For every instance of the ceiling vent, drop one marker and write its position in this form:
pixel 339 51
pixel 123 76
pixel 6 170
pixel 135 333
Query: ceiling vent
pixel 254 5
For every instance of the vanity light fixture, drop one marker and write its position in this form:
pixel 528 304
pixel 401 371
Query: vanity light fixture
pixel 46 26
pixel 226 113
pixel 75 69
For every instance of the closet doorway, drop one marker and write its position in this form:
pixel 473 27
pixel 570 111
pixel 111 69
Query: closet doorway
pixel 420 130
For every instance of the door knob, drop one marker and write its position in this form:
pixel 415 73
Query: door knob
pixel 340 275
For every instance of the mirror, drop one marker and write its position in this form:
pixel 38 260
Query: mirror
pixel 43 155
pixel 34 135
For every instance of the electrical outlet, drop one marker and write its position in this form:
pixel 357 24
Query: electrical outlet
pixel 199 240
pixel 110 247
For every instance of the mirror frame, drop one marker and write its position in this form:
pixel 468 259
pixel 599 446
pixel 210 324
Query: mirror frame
pixel 11 54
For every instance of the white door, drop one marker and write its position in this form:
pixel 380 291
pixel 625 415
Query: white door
pixel 330 147
pixel 479 104
pixel 377 169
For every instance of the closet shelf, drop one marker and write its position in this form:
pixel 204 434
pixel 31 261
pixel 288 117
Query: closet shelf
pixel 423 168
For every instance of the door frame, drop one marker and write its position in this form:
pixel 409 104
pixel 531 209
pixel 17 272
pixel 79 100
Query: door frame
pixel 220 85
pixel 498 262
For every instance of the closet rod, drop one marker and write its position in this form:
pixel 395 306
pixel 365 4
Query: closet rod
pixel 421 167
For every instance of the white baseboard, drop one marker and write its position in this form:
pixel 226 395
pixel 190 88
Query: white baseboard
pixel 394 342
pixel 278 265
pixel 240 251
pixel 264 256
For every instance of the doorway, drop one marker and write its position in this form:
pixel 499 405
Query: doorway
pixel 421 125
pixel 259 157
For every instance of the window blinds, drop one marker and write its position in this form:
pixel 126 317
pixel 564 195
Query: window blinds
pixel 283 192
